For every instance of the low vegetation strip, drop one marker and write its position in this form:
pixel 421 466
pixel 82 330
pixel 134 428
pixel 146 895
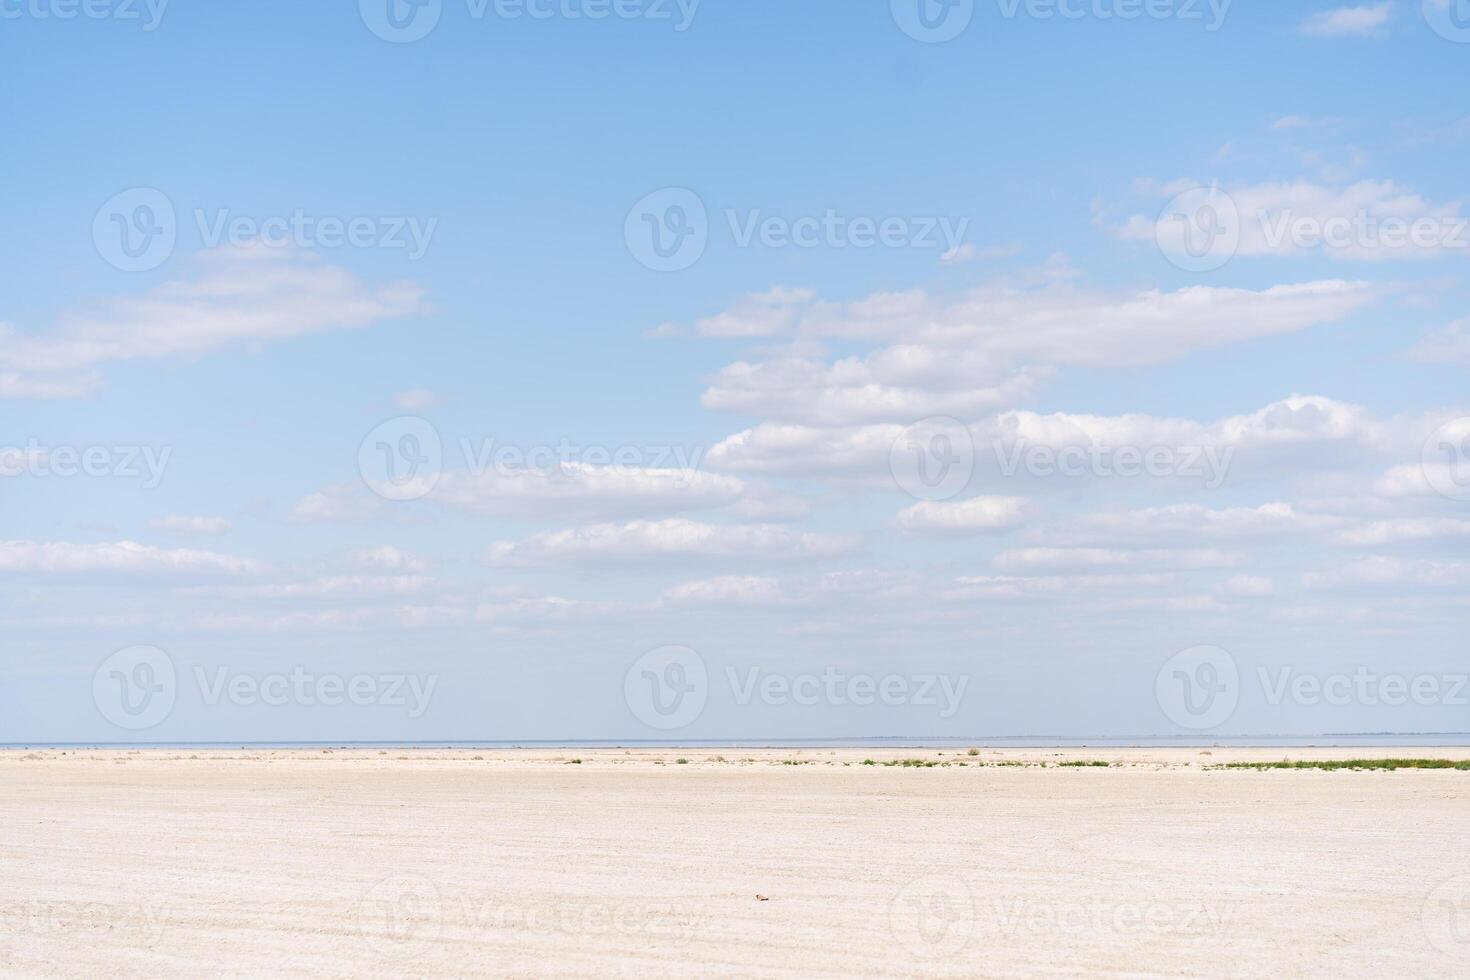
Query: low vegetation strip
pixel 1389 764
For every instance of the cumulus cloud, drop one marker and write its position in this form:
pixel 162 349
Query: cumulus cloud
pixel 1251 586
pixel 1402 529
pixel 994 347
pixel 185 525
pixel 963 517
pixel 1387 571
pixel 738 590
pixel 1186 522
pixel 671 538
pixel 1084 559
pixel 1366 20
pixel 576 491
pixel 117 556
pixel 1365 220
pixel 584 490
pixel 1297 433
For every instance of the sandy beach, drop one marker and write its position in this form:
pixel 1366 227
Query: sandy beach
pixel 769 862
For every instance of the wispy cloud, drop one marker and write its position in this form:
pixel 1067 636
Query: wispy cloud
pixel 1361 21
pixel 239 296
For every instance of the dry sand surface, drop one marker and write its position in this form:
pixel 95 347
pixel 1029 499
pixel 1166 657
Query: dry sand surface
pixel 519 863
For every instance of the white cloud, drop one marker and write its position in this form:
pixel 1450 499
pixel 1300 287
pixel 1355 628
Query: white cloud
pixel 1084 559
pixel 344 502
pixel 1250 586
pixel 1449 344
pixel 387 558
pixel 1360 21
pixel 982 587
pixel 1185 522
pixel 554 609
pixel 1382 570
pixel 970 253
pixel 738 590
pixel 760 503
pixel 13 384
pixel 961 517
pixel 241 295
pixel 671 538
pixel 325 587
pixel 580 490
pixel 118 556
pixel 1365 220
pixel 757 315
pixel 993 347
pixel 1402 529
pixel 1285 437
pixel 181 524
pixel 568 491
pixel 416 400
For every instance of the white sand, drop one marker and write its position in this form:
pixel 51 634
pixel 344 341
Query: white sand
pixel 433 863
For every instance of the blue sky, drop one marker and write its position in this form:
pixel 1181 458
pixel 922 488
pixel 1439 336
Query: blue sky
pixel 1033 297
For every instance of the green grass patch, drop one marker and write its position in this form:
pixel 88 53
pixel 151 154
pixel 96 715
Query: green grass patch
pixel 1079 763
pixel 1387 764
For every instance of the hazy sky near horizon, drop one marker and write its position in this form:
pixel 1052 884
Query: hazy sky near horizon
pixel 592 369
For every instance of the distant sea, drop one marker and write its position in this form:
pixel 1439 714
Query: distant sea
pixel 1327 740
